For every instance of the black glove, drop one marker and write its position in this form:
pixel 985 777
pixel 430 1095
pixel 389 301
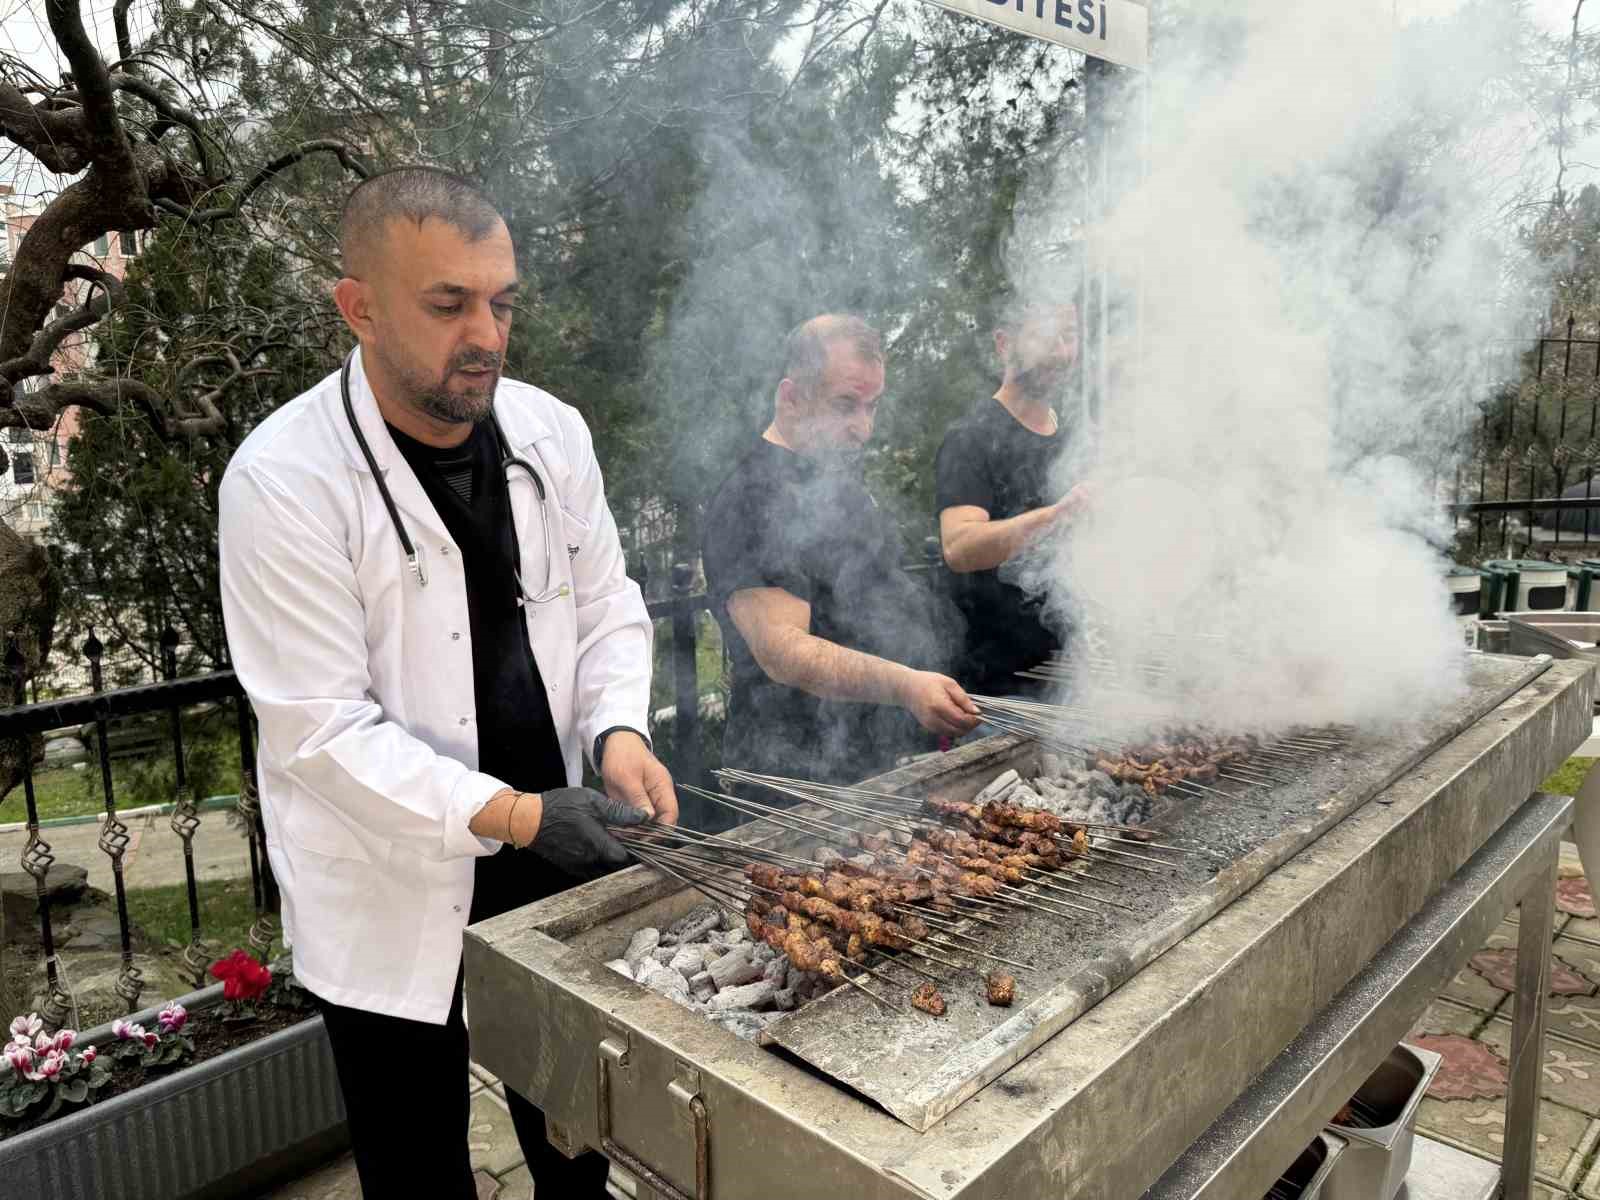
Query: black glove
pixel 572 832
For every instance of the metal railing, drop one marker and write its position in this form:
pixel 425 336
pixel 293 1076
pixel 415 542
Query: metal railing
pixel 1531 446
pixel 100 708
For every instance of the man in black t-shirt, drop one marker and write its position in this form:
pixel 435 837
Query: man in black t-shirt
pixel 836 651
pixel 994 498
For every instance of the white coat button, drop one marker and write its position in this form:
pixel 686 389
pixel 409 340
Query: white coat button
pixel 463 720
pixel 455 908
pixel 445 550
pixel 455 637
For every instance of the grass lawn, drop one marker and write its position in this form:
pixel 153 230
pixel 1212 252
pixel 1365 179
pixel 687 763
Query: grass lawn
pixel 227 908
pixel 64 792
pixel 1567 780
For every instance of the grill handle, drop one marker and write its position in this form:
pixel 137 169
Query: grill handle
pixel 685 1093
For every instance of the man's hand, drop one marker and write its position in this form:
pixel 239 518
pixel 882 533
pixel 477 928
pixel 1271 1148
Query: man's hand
pixel 633 774
pixel 572 829
pixel 938 703
pixel 1076 501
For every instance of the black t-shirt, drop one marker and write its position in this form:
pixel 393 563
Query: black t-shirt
pixel 990 460
pixel 517 740
pixel 782 521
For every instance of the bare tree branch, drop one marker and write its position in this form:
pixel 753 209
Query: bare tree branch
pixel 109 397
pixel 57 139
pixel 348 159
pixel 45 343
pixel 119 18
pixel 108 141
pixel 158 100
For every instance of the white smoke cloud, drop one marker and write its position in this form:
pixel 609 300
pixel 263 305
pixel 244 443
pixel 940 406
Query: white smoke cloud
pixel 1311 250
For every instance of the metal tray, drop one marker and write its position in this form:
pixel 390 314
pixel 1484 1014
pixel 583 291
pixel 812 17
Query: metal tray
pixel 1558 634
pixel 1375 1165
pixel 1325 1154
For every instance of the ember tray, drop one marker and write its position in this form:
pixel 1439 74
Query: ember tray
pixel 920 1068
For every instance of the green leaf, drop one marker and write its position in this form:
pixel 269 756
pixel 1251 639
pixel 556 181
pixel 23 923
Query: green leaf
pixel 75 1091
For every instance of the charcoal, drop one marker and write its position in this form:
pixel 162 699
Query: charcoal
pixel 751 995
pixel 734 968
pixel 639 948
pixel 763 953
pixel 703 991
pixel 688 960
pixel 694 924
pixel 745 1025
pixel 784 999
pixel 620 967
pixel 776 970
pixel 664 980
pixel 664 954
pixel 996 787
pixel 702 980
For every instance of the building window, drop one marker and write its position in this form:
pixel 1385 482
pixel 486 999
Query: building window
pixel 18 435
pixel 36 510
pixel 102 244
pixel 55 452
pixel 22 468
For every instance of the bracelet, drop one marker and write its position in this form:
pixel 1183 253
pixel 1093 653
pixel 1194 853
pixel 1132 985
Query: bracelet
pixel 516 799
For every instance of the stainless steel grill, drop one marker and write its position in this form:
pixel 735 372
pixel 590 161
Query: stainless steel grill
pixel 1134 1028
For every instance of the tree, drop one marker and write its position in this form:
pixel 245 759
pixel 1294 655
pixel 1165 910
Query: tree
pixel 138 142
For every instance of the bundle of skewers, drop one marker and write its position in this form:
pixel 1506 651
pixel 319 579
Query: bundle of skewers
pixel 1193 764
pixel 901 888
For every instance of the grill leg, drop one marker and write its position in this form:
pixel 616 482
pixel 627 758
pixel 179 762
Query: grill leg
pixel 1535 931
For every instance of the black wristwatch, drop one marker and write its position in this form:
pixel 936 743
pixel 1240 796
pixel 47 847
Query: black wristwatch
pixel 600 742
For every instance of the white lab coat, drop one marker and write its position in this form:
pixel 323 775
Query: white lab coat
pixel 362 680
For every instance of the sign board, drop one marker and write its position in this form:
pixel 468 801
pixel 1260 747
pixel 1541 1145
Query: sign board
pixel 1115 30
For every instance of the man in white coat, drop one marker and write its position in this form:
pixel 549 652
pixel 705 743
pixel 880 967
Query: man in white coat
pixel 426 603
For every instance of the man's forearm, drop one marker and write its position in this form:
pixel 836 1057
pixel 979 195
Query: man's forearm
pixel 833 672
pixel 984 545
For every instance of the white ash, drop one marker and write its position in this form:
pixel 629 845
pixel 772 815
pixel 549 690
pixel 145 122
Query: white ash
pixel 1068 788
pixel 708 962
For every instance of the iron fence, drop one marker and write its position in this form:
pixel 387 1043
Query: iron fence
pixel 1534 455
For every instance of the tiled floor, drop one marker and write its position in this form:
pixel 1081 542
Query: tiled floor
pixel 1472 1021
pixel 1469 1023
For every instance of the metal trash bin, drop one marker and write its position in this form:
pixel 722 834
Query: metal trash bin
pixel 1377 1157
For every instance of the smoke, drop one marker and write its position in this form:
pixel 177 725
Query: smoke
pixel 1311 254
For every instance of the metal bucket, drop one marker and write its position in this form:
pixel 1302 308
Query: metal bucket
pixel 1376 1161
pixel 1307 1177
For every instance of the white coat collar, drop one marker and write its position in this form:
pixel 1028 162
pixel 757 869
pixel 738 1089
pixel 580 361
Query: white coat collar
pixel 515 405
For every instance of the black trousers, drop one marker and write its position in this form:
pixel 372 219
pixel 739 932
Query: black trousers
pixel 405 1082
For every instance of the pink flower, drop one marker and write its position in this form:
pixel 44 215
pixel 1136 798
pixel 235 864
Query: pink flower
pixel 24 1028
pixel 150 1040
pixel 127 1030
pixel 43 1043
pixel 87 1055
pixel 20 1056
pixel 64 1039
pixel 49 1067
pixel 172 1017
pixel 243 978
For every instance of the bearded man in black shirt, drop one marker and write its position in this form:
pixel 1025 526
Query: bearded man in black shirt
pixel 994 498
pixel 837 653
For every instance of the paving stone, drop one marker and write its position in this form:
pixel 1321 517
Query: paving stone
pixel 517 1184
pixel 1444 1017
pixel 335 1181
pixel 490 1136
pixel 1472 989
pixel 488 1186
pixel 1571 1071
pixel 1479 1126
pixel 483 1074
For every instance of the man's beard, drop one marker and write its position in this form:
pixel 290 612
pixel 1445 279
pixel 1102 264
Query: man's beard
pixel 434 398
pixel 1043 382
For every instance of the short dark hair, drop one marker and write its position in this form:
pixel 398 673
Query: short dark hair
pixel 805 353
pixel 1010 308
pixel 410 194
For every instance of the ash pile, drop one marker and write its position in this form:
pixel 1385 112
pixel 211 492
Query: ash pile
pixel 708 962
pixel 1072 791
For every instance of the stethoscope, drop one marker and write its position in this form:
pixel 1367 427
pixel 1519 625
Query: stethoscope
pixel 508 461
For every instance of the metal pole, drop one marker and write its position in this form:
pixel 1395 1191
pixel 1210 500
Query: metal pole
pixel 685 678
pixel 1535 932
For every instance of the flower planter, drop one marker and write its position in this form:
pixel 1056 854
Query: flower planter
pixel 236 1124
